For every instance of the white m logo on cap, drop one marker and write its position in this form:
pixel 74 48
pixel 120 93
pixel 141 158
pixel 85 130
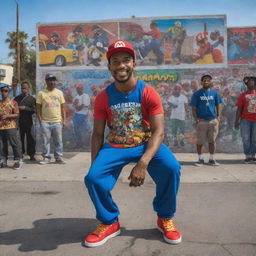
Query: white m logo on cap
pixel 119 44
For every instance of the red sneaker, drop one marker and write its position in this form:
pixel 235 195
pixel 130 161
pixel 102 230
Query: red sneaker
pixel 170 232
pixel 102 234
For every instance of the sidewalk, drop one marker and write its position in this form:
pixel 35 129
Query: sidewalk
pixel 46 211
pixel 231 169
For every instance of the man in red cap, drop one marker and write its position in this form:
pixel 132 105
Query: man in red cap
pixel 134 114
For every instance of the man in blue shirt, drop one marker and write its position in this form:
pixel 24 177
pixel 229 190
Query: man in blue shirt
pixel 206 109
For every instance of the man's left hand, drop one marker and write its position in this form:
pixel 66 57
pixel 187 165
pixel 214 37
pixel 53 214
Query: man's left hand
pixel 137 175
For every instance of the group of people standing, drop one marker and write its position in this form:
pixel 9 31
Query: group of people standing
pixel 16 113
pixel 16 122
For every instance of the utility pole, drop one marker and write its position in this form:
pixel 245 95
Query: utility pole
pixel 18 44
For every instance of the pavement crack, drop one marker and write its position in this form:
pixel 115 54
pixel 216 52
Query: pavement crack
pixel 128 248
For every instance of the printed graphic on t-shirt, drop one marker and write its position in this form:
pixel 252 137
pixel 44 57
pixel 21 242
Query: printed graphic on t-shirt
pixel 52 101
pixel 7 108
pixel 251 99
pixel 127 128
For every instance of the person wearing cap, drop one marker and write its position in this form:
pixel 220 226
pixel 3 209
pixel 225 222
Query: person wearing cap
pixel 9 113
pixel 81 105
pixel 206 108
pixel 50 109
pixel 246 119
pixel 27 105
pixel 179 104
pixel 134 114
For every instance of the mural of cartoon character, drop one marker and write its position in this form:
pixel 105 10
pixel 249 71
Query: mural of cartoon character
pixel 55 42
pixel 152 42
pixel 176 35
pixel 98 45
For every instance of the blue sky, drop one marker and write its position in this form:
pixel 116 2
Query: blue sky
pixel 240 13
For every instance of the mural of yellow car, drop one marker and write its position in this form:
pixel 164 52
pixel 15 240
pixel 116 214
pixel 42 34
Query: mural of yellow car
pixel 58 57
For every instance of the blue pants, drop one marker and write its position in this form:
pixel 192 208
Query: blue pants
pixel 164 169
pixel 54 130
pixel 248 134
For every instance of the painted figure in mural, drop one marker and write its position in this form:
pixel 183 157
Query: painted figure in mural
pixel 77 40
pixel 206 106
pixel 134 114
pixel 241 46
pixel 50 110
pixel 217 46
pixel 246 119
pixel 98 45
pixel 27 105
pixel 177 35
pixel 54 43
pixel 9 113
pixel 179 105
pixel 81 103
pixel 153 43
pixel 204 54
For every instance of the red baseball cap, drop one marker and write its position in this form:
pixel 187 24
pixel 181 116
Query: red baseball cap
pixel 120 46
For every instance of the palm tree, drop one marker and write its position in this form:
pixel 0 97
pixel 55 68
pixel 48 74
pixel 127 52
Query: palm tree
pixel 27 55
pixel 12 41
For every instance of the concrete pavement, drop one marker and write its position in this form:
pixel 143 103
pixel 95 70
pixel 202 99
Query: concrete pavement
pixel 232 169
pixel 45 210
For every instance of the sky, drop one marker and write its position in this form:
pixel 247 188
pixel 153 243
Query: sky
pixel 240 13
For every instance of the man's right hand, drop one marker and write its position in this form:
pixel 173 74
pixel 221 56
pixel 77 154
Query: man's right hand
pixel 237 124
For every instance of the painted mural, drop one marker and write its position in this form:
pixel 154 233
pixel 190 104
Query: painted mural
pixel 178 42
pixel 242 46
pixel 175 42
pixel 171 55
pixel 75 44
pixel 227 81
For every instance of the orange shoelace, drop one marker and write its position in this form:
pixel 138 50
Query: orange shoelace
pixel 100 228
pixel 168 225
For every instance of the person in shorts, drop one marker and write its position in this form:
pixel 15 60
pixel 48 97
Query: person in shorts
pixel 206 108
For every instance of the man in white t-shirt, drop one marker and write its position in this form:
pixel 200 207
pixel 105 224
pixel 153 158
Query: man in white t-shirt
pixel 179 105
pixel 81 104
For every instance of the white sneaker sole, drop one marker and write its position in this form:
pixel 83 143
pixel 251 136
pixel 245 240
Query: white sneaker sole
pixel 168 240
pixel 102 241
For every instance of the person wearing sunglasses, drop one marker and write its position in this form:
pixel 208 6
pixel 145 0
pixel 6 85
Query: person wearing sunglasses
pixel 9 113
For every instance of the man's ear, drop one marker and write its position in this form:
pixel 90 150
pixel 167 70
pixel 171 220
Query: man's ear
pixel 109 67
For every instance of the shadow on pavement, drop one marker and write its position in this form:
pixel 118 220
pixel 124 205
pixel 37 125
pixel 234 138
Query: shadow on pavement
pixel 48 234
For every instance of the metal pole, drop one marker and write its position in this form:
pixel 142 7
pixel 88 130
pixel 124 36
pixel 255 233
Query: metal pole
pixel 18 44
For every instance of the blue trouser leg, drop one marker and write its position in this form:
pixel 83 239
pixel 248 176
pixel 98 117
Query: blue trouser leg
pixel 46 132
pixel 101 179
pixel 247 135
pixel 165 171
pixel 105 170
pixel 253 138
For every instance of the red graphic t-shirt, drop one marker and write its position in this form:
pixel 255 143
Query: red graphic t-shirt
pixel 247 101
pixel 127 115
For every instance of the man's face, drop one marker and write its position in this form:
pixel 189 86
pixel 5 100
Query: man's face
pixel 251 85
pixel 206 82
pixel 25 89
pixel 4 92
pixel 51 84
pixel 121 66
pixel 80 90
